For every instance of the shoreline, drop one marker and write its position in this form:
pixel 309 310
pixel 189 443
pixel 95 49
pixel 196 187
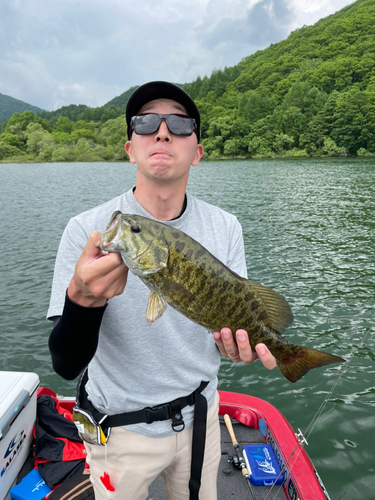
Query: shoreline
pixel 20 160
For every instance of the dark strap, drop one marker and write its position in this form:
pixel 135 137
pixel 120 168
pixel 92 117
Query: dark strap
pixel 171 410
pixel 166 411
pixel 199 442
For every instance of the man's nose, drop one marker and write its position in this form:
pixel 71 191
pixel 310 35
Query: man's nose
pixel 163 132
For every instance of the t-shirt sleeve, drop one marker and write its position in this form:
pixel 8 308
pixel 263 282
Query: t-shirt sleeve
pixel 236 251
pixel 71 245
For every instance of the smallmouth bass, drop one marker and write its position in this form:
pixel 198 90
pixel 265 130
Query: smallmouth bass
pixel 180 272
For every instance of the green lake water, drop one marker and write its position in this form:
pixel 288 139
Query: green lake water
pixel 309 230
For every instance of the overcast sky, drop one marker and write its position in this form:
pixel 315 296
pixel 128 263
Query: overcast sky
pixel 59 52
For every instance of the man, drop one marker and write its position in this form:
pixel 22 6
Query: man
pixel 99 317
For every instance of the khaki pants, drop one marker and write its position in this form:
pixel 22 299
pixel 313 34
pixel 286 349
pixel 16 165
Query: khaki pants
pixel 134 461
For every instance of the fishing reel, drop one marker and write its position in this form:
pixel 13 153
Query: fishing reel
pixel 231 460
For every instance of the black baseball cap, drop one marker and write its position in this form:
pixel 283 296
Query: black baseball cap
pixel 161 90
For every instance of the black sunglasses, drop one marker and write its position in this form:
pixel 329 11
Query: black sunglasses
pixel 150 123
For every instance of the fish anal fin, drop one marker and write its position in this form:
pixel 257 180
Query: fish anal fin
pixel 303 359
pixel 278 310
pixel 155 307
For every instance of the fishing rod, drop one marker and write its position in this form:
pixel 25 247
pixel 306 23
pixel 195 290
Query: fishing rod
pixel 241 461
pixel 301 437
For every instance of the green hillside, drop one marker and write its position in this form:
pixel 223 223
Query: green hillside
pixel 121 100
pixel 312 94
pixel 9 106
pixel 76 112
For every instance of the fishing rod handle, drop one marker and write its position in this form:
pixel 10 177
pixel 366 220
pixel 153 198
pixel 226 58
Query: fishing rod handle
pixel 244 470
pixel 245 473
pixel 228 423
pixel 236 447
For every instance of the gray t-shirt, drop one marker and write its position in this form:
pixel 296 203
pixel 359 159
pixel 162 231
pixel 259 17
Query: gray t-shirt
pixel 136 364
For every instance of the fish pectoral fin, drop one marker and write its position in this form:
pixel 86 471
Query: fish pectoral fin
pixel 155 307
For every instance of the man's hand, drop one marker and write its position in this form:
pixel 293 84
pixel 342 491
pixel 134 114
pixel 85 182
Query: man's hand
pixel 98 275
pixel 241 349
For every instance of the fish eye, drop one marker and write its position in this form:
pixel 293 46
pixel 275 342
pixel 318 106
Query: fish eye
pixel 135 229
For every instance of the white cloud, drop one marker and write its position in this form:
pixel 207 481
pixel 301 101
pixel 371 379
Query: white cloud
pixel 309 12
pixel 55 53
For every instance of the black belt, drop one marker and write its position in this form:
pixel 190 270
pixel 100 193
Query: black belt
pixel 166 411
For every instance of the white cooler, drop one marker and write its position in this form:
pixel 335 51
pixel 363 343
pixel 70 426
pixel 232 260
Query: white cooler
pixel 17 417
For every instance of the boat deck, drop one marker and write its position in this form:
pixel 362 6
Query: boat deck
pixel 231 483
pixel 301 478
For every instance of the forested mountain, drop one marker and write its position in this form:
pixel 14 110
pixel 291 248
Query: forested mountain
pixel 312 94
pixel 121 100
pixel 76 112
pixel 9 106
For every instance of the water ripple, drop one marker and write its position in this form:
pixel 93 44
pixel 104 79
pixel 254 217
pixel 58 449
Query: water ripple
pixel 309 230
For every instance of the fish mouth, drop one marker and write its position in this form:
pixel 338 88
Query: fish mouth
pixel 108 240
pixel 116 216
pixel 105 245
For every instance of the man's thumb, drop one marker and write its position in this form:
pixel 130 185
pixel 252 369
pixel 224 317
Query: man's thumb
pixel 92 246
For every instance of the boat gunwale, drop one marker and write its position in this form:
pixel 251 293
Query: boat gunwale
pixel 300 469
pixel 293 453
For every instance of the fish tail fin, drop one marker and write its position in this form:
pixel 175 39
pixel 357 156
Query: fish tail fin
pixel 295 366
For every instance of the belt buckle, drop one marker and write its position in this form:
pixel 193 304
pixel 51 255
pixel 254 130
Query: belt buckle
pixel 155 413
pixel 178 423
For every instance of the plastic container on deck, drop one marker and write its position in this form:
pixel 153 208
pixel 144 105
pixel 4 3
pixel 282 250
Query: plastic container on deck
pixel 18 393
pixel 262 465
pixel 32 487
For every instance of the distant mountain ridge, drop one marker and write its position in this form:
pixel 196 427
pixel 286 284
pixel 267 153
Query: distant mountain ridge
pixel 122 100
pixel 309 95
pixel 9 105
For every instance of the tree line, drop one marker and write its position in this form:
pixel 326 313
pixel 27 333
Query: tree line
pixel 312 94
pixel 29 137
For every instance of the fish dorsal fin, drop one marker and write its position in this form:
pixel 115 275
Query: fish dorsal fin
pixel 278 310
pixel 155 307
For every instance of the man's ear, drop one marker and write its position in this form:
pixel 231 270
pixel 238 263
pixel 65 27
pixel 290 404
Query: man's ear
pixel 198 155
pixel 129 150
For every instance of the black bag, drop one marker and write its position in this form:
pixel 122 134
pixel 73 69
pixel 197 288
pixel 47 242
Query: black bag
pixel 77 487
pixel 59 451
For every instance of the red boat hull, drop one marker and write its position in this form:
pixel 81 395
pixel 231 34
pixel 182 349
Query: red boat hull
pixel 301 480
